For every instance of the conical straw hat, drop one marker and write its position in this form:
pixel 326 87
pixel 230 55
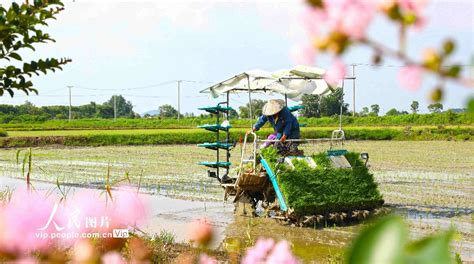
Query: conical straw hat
pixel 273 106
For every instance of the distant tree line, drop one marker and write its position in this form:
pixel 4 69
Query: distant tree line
pixel 315 107
pixel 29 112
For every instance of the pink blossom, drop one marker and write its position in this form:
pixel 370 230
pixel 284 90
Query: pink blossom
pixel 205 259
pixel 335 73
pixel 259 252
pixel 414 6
pixel 200 231
pixel 312 20
pixel 125 208
pixel 29 219
pixel 23 217
pixel 84 252
pixel 112 258
pixel 281 254
pixel 410 77
pixel 129 207
pixel 351 17
pixel 304 54
pixel 85 205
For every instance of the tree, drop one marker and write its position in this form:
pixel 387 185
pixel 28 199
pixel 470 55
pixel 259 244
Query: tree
pixel 233 114
pixel 105 111
pixel 375 109
pixel 311 105
pixel 365 111
pixel 331 104
pixel 435 108
pixel 257 106
pixel 167 111
pixel 28 108
pixel 124 107
pixel 392 112
pixel 21 27
pixel 414 107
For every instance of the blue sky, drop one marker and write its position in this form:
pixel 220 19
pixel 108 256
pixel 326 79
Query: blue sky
pixel 129 44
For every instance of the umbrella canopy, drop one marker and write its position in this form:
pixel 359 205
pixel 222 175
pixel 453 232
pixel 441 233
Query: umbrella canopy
pixel 249 81
pixel 293 83
pixel 301 80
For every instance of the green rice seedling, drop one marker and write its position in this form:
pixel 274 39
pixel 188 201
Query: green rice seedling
pixel 26 162
pixel 165 237
pixel 6 195
pixel 326 189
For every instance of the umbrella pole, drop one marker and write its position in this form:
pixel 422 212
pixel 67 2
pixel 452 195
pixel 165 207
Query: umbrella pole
pixel 250 103
pixel 286 100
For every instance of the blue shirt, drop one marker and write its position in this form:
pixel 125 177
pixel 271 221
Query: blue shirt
pixel 285 123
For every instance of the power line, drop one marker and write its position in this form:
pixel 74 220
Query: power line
pixel 126 89
pixel 142 87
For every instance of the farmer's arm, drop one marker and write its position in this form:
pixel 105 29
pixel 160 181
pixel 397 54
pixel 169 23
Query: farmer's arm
pixel 261 121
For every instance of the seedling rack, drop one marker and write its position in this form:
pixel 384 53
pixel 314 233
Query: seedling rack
pixel 219 145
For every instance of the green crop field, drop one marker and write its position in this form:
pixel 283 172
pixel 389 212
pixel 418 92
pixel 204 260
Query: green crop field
pixel 82 132
pixel 193 135
pixel 444 119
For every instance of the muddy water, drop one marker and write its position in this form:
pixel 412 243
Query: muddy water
pixel 309 244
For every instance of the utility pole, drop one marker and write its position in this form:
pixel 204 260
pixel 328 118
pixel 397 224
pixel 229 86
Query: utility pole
pixel 179 98
pixel 115 108
pixel 70 103
pixel 353 91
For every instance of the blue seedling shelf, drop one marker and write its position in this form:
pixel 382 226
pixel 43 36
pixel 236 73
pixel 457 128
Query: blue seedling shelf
pixel 216 109
pixel 337 152
pixel 295 108
pixel 216 145
pixel 215 127
pixel 215 164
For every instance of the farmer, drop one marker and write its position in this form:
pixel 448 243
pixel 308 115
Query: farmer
pixel 283 122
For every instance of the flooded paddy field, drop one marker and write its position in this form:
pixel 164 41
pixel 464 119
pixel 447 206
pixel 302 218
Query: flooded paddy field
pixel 431 184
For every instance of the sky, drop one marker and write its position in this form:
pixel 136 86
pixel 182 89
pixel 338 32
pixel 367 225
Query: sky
pixel 140 48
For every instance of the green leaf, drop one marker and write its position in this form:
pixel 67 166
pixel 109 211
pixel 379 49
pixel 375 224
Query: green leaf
pixel 381 243
pixel 448 46
pixel 454 71
pixel 15 56
pixel 18 156
pixel 470 106
pixel 7 82
pixel 437 94
pixel 433 250
pixel 33 90
pixel 10 91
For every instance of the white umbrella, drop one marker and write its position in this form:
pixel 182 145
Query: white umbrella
pixel 249 81
pixel 293 83
pixel 301 80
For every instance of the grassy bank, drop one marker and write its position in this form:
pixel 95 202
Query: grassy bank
pixel 447 118
pixel 194 136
